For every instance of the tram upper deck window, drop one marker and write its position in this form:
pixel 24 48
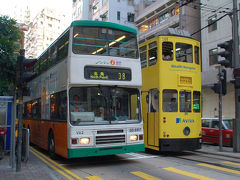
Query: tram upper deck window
pixel 197 53
pixel 104 41
pixel 152 53
pixel 143 56
pixel 184 52
pixel 167 51
pixel 170 100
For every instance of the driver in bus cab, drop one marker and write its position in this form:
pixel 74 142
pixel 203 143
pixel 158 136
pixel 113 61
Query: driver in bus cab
pixel 75 105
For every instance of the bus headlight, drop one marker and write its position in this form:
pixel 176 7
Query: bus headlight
pixel 133 137
pixel 84 140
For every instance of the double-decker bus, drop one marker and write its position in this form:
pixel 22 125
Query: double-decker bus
pixel 85 99
pixel 171 92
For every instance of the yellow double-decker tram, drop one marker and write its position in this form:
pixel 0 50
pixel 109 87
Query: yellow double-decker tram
pixel 171 93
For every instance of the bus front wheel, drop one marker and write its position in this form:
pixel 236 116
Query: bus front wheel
pixel 51 145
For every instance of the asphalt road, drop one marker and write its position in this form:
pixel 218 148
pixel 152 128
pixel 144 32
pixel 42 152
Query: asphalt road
pixel 151 165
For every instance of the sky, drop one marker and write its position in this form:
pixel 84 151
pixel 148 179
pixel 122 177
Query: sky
pixel 65 6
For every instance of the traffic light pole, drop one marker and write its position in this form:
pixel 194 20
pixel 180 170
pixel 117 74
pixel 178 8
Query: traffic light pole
pixel 220 108
pixel 236 122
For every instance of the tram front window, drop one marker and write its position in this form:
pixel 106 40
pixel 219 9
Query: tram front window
pixel 104 105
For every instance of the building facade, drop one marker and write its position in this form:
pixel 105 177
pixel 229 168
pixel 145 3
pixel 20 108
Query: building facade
pixel 153 17
pixel 43 30
pixel 212 34
pixel 116 11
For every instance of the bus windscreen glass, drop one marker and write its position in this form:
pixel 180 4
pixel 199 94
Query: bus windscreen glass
pixel 104 105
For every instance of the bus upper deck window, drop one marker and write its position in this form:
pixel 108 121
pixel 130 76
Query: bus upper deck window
pixel 167 51
pixel 196 50
pixel 184 52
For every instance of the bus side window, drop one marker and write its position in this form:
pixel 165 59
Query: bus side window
pixel 167 51
pixel 152 53
pixel 170 100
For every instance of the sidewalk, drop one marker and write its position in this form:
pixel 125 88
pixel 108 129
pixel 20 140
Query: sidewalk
pixel 214 149
pixel 34 169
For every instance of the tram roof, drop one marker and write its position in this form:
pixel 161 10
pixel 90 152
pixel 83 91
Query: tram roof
pixel 169 32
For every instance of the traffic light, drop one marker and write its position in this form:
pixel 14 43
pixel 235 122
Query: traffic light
pixel 24 69
pixel 216 87
pixel 223 78
pixel 227 53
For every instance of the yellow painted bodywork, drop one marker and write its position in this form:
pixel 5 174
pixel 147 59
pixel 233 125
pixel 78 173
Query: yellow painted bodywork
pixel 170 75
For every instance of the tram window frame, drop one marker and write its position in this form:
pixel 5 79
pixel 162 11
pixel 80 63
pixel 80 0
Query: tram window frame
pixel 152 53
pixel 197 54
pixel 167 55
pixel 143 56
pixel 168 95
pixel 185 101
pixel 153 100
pixel 196 100
pixel 184 55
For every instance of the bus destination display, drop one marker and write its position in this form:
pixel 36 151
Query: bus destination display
pixel 100 73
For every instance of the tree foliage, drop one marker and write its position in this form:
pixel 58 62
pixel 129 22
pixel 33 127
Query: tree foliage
pixel 9 36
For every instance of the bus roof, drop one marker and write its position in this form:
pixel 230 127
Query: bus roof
pixel 103 24
pixel 95 24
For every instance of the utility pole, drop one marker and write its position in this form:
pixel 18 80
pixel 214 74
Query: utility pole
pixel 180 14
pixel 236 72
pixel 220 108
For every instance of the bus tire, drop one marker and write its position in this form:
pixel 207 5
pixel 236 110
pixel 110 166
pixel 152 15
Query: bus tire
pixel 51 145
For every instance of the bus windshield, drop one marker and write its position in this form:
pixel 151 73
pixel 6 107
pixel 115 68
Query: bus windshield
pixel 104 41
pixel 104 105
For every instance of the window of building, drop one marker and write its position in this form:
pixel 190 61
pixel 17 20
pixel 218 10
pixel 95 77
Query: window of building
pixel 130 17
pixel 131 2
pixel 212 23
pixel 118 15
pixel 144 28
pixel 213 57
pixel 104 1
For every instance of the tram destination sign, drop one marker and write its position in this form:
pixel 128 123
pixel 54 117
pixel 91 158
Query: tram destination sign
pixel 105 73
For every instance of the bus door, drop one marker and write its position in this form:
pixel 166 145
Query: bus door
pixel 153 118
